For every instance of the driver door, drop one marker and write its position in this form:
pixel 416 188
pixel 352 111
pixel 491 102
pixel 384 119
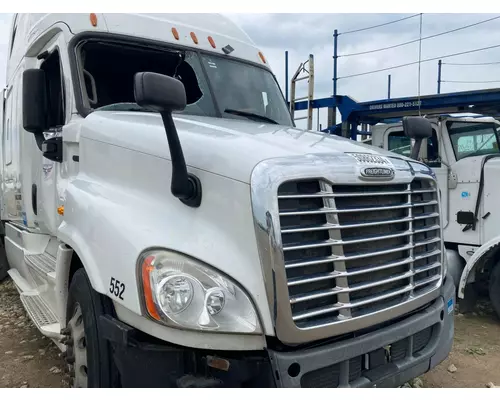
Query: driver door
pixel 471 141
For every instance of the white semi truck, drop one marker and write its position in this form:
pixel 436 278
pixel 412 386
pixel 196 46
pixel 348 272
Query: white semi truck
pixel 464 154
pixel 166 224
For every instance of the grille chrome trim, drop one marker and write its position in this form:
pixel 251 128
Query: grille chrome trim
pixel 334 258
pixel 332 242
pixel 367 209
pixel 343 306
pixel 365 286
pixel 309 196
pixel 268 176
pixel 370 300
pixel 350 289
pixel 329 226
pixel 338 298
pixel 333 275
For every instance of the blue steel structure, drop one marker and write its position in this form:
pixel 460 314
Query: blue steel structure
pixel 485 102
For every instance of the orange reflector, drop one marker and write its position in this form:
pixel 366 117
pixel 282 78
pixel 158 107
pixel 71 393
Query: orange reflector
pixel 93 19
pixel 175 33
pixel 211 41
pixel 147 268
pixel 60 210
pixel 193 36
pixel 262 57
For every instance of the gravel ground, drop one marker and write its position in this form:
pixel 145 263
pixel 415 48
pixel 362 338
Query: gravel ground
pixel 474 361
pixel 27 359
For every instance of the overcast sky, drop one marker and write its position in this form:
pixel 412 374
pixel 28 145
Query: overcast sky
pixel 313 33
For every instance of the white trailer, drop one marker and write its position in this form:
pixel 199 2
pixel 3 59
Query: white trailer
pixel 166 224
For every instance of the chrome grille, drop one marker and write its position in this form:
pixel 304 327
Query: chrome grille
pixel 352 250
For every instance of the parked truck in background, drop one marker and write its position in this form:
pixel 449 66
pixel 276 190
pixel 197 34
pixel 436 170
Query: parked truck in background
pixel 464 154
pixel 166 224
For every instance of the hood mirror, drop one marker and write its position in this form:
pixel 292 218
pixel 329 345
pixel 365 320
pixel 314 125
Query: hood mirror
pixel 417 128
pixel 166 94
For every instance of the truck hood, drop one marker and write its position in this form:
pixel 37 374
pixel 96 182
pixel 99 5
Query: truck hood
pixel 228 147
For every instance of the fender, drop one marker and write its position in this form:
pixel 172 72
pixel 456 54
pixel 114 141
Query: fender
pixel 112 214
pixel 475 260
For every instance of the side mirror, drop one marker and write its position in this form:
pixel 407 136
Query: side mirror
pixel 166 94
pixel 418 128
pixel 34 102
pixel 159 92
pixel 35 113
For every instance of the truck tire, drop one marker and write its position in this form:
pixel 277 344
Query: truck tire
pixel 4 264
pixel 88 354
pixel 494 289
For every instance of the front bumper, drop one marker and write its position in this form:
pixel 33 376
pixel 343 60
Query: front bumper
pixel 387 357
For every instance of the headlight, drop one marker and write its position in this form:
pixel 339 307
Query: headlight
pixel 422 168
pixel 183 292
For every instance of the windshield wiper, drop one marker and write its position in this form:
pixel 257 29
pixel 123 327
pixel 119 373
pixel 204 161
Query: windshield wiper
pixel 250 115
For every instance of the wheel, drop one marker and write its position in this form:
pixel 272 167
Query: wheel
pixel 4 264
pixel 494 288
pixel 88 354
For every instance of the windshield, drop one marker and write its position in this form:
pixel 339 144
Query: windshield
pixel 215 86
pixel 246 88
pixel 473 138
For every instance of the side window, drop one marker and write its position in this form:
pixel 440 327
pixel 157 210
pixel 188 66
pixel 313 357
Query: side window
pixel 55 90
pixel 399 143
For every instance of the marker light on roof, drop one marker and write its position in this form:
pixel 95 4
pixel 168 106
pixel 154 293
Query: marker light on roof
pixel 262 57
pixel 211 41
pixel 193 36
pixel 175 33
pixel 93 19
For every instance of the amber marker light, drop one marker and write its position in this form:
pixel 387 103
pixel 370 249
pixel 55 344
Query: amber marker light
pixel 175 33
pixel 147 269
pixel 195 39
pixel 211 41
pixel 93 19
